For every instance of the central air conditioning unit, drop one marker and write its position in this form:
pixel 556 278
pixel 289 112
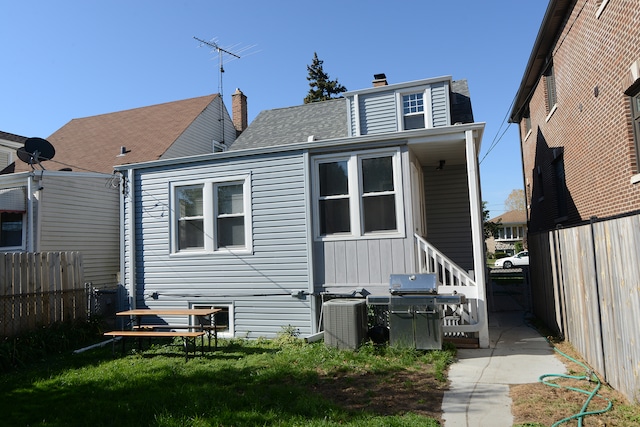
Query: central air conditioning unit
pixel 345 323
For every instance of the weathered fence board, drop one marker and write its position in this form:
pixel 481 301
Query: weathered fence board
pixel 40 289
pixel 586 285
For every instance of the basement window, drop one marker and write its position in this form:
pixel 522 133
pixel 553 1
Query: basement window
pixel 223 320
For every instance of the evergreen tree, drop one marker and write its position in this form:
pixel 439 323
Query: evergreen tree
pixel 321 87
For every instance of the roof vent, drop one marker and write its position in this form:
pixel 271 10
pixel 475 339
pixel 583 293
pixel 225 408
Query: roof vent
pixel 379 80
pixel 311 138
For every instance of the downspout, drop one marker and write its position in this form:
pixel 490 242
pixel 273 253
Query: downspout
pixel 128 208
pixel 30 219
pixel 309 219
pixel 475 207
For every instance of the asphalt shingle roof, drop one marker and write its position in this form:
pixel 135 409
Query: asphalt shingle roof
pixel 323 120
pixel 12 137
pixel 511 217
pixel 93 143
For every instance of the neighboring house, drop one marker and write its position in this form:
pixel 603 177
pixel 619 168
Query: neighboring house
pixel 313 202
pixel 53 211
pixel 173 129
pixel 512 229
pixel 9 143
pixel 77 208
pixel 578 109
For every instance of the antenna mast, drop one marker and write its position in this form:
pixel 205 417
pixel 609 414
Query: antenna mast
pixel 220 51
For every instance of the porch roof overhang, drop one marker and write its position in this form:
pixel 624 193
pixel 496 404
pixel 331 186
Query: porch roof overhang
pixel 449 146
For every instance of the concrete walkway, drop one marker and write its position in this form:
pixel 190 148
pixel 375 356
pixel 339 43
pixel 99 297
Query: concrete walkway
pixel 479 391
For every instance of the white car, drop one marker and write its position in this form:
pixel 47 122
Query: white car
pixel 518 260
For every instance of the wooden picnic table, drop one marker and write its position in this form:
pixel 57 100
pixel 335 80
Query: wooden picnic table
pixel 155 330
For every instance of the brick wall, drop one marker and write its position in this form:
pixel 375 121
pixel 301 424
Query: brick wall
pixel 590 130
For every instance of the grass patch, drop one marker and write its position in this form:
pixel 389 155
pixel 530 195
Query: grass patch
pixel 282 382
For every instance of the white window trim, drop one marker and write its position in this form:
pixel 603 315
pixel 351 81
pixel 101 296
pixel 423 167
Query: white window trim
pixel 426 98
pixel 601 8
pixel 219 146
pixel 23 246
pixel 210 218
pixel 355 194
pixel 229 306
pixel 553 110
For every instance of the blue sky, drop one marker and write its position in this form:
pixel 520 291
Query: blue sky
pixel 69 59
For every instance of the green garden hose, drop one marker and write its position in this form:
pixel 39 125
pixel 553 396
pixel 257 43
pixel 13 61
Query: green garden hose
pixel 588 376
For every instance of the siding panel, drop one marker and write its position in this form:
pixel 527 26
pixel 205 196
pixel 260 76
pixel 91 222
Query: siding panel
pixel 448 213
pixel 440 104
pixel 259 285
pixel 82 214
pixel 378 113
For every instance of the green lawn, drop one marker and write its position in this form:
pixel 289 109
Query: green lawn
pixel 244 383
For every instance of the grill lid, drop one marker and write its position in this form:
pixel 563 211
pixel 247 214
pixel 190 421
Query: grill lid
pixel 404 284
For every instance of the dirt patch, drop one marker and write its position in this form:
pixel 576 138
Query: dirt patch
pixel 545 405
pixel 408 391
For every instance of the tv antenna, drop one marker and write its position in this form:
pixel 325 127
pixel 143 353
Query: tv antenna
pixel 221 51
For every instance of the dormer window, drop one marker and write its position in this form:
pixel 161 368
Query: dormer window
pixel 413 111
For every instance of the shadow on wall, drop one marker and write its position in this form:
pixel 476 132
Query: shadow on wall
pixel 551 203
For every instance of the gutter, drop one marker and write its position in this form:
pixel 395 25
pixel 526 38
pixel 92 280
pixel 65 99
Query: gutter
pixel 30 230
pixel 128 198
pixel 391 138
pixel 540 55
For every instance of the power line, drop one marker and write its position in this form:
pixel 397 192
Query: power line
pixel 497 139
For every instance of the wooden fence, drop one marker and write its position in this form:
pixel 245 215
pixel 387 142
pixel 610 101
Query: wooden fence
pixel 586 285
pixel 40 289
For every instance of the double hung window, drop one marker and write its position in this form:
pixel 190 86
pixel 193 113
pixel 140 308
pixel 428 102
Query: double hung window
pixel 358 194
pixel 413 111
pixel 212 216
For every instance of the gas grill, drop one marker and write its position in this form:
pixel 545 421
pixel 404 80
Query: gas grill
pixel 415 310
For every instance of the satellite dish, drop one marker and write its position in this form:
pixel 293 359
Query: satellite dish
pixel 36 150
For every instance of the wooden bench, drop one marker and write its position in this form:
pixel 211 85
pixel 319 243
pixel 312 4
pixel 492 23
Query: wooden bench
pixel 208 329
pixel 146 333
pixel 141 330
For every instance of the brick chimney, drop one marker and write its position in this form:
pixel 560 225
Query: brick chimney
pixel 379 80
pixel 239 111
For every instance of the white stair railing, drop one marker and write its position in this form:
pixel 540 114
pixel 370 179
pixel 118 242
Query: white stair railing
pixel 459 318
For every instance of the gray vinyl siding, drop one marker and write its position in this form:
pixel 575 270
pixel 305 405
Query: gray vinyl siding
pixel 199 136
pixel 440 104
pixel 378 113
pixel 448 213
pixel 4 158
pixel 259 285
pixel 81 213
pixel 345 265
